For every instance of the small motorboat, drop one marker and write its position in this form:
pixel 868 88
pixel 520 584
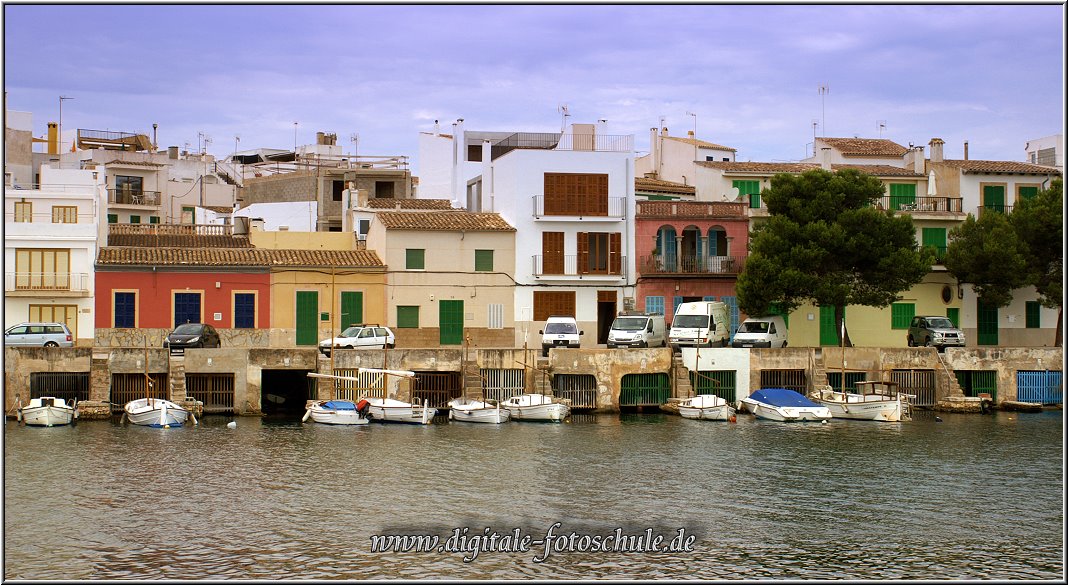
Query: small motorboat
pixel 155 412
pixel 781 404
pixel 398 411
pixel 48 411
pixel 706 407
pixel 338 412
pixel 873 400
pixel 536 407
pixel 477 411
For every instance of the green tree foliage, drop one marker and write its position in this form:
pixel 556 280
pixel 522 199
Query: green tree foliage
pixel 1039 225
pixel 986 253
pixel 825 243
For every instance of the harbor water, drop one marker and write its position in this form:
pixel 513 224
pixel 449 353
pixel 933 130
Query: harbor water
pixel 964 497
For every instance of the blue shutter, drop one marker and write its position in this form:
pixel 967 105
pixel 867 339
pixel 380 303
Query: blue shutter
pixel 125 309
pixel 654 305
pixel 676 301
pixel 244 310
pixel 732 306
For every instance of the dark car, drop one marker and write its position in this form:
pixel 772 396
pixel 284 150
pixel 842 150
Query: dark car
pixel 192 335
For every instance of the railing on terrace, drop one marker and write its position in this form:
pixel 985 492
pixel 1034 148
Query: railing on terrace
pixel 994 208
pixel 169 229
pixel 569 266
pixel 692 209
pixel 940 253
pixel 580 206
pixel 942 204
pixel 311 162
pixel 695 265
pixel 133 197
pixel 554 141
pixel 46 281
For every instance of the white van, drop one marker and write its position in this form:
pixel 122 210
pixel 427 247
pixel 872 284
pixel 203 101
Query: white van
pixel 767 331
pixel 700 324
pixel 638 330
pixel 559 332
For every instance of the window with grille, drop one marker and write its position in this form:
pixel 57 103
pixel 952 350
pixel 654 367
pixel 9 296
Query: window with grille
pixel 576 194
pixel 548 303
pixel 64 214
pixel 414 259
pixel 901 315
pixel 407 317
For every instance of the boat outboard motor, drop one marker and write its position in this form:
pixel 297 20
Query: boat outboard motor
pixel 362 406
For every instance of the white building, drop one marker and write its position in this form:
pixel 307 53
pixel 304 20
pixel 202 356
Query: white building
pixel 50 245
pixel 570 197
pixel 673 158
pixel 295 216
pixel 1047 151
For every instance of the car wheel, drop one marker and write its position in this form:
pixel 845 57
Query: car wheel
pixel 391 345
pixel 927 342
pixel 784 344
pixel 51 344
pixel 909 341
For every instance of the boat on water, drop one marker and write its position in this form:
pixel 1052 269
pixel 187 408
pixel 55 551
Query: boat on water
pixel 873 400
pixel 399 411
pixel 706 407
pixel 780 404
pixel 48 411
pixel 477 411
pixel 536 407
pixel 155 412
pixel 338 412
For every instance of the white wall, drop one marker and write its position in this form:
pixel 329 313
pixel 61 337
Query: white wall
pixel 300 216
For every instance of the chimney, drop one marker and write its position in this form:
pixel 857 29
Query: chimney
pixel 654 149
pixel 825 158
pixel 362 196
pixel 320 138
pixel 936 149
pixel 664 132
pixel 965 150
pixel 172 152
pixel 53 144
pixel 690 134
pixel 914 159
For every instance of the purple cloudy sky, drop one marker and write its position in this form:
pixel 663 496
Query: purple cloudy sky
pixel 989 74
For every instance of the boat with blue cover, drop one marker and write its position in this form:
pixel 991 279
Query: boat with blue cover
pixel 781 404
pixel 338 412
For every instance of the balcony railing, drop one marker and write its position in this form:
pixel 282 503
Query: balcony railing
pixel 692 209
pixel 168 229
pixel 570 267
pixel 133 197
pixel 554 141
pixel 46 281
pixel 940 253
pixel 615 208
pixel 692 265
pixel 994 208
pixel 921 204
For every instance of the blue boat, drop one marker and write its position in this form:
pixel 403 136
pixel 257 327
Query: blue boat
pixel 784 405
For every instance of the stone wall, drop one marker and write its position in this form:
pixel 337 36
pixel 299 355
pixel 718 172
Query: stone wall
pixel 296 186
pixel 431 337
pixel 20 362
pixel 246 338
pixel 608 367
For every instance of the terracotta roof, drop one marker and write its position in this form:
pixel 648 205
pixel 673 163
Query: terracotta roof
pixel 243 257
pixel 879 170
pixel 661 186
pixel 1001 166
pixel 409 203
pixel 760 167
pixel 700 143
pixel 865 146
pixel 449 221
pixel 151 240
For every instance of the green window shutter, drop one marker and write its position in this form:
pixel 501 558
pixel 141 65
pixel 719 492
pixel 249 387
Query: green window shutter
pixel 135 219
pixel 1028 192
pixel 483 260
pixel 113 218
pixel 775 309
pixel 749 189
pixel 407 317
pixel 414 259
pixel 986 324
pixel 1033 311
pixel 828 328
pixel 935 238
pixel 994 197
pixel 153 219
pixel 953 314
pixel 901 315
pixel 351 308
pixel 902 194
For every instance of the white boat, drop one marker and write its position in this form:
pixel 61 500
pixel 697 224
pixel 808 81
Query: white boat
pixel 155 412
pixel 873 400
pixel 477 411
pixel 338 412
pixel 784 405
pixel 706 407
pixel 536 407
pixel 390 410
pixel 47 411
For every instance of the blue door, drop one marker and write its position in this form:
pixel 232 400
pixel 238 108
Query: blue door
pixel 1042 387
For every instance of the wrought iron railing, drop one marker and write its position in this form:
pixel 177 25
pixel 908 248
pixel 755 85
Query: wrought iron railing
pixel 994 208
pixel 569 266
pixel 698 265
pixel 133 197
pixel 914 204
pixel 46 281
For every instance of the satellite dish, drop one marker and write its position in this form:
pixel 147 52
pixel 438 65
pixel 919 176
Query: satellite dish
pixel 735 193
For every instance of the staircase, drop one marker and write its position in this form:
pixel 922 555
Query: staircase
pixel 681 375
pixel 819 370
pixel 176 378
pixel 542 377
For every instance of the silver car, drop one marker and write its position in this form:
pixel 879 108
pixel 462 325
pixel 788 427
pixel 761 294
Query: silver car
pixel 39 335
pixel 934 331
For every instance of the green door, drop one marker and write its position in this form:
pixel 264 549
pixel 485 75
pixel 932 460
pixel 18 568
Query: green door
pixel 902 194
pixel 954 316
pixel 994 197
pixel 451 322
pixel 935 238
pixel 644 389
pixel 987 323
pixel 828 330
pixel 307 317
pixel 351 309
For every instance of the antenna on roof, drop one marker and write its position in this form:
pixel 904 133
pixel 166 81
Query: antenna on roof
pixel 563 117
pixel 882 126
pixel 824 89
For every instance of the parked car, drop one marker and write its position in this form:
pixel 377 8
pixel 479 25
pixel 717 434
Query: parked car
pixel 769 331
pixel 39 335
pixel 192 335
pixel 560 331
pixel 934 331
pixel 361 337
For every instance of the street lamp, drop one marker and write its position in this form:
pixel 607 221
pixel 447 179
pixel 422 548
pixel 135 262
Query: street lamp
pixel 61 98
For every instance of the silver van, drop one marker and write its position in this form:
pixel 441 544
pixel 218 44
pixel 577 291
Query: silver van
pixel 39 335
pixel 767 331
pixel 638 331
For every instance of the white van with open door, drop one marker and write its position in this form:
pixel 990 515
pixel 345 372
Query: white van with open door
pixel 700 324
pixel 767 331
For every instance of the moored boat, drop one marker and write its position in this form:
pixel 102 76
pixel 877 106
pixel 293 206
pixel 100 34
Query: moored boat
pixel 477 411
pixel 47 411
pixel 706 407
pixel 155 412
pixel 780 404
pixel 873 400
pixel 398 411
pixel 338 412
pixel 536 407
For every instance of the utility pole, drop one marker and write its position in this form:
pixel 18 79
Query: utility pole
pixel 61 98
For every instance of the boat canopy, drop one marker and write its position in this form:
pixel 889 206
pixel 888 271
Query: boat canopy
pixel 781 397
pixel 340 405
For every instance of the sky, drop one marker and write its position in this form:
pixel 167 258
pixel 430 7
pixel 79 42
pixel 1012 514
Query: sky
pixel 992 75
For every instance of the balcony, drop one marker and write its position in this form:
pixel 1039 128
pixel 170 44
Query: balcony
pixel 994 208
pixel 921 204
pixel 570 268
pixel 691 209
pixel 940 253
pixel 56 284
pixel 133 197
pixel 581 208
pixel 705 266
pixel 554 141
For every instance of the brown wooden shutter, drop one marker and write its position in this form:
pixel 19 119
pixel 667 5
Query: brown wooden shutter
pixel 548 303
pixel 552 250
pixel 583 252
pixel 614 254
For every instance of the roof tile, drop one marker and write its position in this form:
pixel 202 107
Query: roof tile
pixel 451 221
pixel 1001 166
pixel 866 146
pixel 386 203
pixel 236 257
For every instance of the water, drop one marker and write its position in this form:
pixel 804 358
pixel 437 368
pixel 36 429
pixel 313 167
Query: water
pixel 973 497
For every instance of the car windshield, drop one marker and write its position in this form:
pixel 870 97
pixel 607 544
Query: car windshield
pixel 629 323
pixel 188 329
pixel 690 321
pixel 754 327
pixel 560 328
pixel 939 323
pixel 351 332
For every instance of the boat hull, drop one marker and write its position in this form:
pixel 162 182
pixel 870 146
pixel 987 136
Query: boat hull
pixel 477 412
pixel 47 412
pixel 878 410
pixel 786 413
pixel 396 411
pixel 706 407
pixel 156 413
pixel 323 414
pixel 536 407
